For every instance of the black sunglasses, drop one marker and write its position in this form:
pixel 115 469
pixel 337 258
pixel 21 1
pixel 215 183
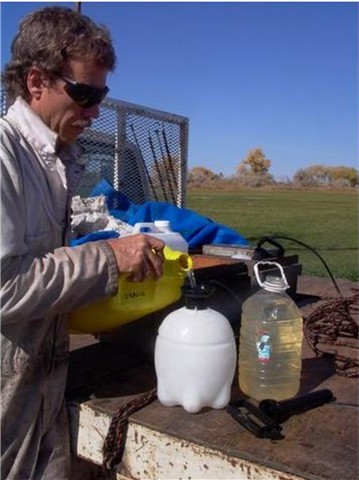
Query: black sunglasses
pixel 84 95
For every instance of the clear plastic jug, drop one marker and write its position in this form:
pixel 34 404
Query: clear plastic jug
pixel 162 229
pixel 134 299
pixel 195 355
pixel 270 344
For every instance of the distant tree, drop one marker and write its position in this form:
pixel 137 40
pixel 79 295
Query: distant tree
pixel 202 175
pixel 254 169
pixel 313 176
pixel 304 178
pixel 326 176
pixel 255 162
pixel 348 174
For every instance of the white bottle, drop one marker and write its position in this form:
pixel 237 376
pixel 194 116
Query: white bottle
pixel 162 229
pixel 270 344
pixel 195 355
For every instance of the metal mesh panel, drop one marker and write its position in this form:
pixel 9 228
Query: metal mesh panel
pixel 140 151
pixel 3 107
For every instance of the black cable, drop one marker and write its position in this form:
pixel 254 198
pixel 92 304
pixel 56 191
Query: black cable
pixel 227 289
pixel 283 237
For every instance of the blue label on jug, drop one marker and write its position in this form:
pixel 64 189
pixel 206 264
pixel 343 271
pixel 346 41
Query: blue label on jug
pixel 264 346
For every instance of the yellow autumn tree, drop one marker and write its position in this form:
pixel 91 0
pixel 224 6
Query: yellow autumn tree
pixel 254 169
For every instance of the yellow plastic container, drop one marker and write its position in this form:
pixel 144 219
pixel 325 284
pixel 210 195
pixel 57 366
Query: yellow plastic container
pixel 134 299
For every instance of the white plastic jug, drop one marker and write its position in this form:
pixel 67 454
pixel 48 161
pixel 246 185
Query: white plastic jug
pixel 195 355
pixel 162 229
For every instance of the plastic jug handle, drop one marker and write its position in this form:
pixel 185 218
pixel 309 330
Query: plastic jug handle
pixel 137 228
pixel 255 268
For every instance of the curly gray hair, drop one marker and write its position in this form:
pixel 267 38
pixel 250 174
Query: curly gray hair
pixel 47 38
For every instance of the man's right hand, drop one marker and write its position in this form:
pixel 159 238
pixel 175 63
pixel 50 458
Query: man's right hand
pixel 138 255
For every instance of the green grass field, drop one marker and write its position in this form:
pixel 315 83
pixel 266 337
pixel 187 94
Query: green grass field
pixel 325 220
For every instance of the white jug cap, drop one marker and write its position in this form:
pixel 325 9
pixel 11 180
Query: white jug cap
pixel 162 223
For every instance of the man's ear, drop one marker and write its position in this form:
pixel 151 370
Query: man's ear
pixel 35 83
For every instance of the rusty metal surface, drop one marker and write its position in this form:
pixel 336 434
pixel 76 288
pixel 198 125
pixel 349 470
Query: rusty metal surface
pixel 319 444
pixel 153 455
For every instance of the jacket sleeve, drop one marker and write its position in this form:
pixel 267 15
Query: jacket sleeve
pixel 58 282
pixel 42 285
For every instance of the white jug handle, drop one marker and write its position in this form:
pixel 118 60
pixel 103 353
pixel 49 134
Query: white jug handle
pixel 137 228
pixel 255 268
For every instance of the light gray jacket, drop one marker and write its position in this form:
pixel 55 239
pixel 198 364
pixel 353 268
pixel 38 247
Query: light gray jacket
pixel 41 278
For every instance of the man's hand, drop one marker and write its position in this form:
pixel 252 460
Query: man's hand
pixel 138 255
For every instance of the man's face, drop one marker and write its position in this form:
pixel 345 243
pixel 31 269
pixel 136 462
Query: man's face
pixel 59 111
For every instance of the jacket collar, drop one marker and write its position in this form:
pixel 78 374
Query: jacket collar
pixel 38 134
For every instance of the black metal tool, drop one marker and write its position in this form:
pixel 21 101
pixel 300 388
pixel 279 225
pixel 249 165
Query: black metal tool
pixel 157 167
pixel 143 162
pixel 165 163
pixel 281 411
pixel 169 157
pixel 254 420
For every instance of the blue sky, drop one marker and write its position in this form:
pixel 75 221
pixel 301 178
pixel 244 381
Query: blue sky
pixel 282 76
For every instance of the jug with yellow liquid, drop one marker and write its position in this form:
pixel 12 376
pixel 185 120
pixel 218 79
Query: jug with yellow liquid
pixel 134 299
pixel 270 347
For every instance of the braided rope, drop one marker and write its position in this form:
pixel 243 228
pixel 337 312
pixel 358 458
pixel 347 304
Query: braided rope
pixel 333 324
pixel 115 440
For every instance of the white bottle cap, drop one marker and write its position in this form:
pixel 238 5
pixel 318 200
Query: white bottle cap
pixel 273 284
pixel 163 225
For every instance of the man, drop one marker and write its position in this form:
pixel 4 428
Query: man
pixel 56 80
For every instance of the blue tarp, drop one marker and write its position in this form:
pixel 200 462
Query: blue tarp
pixel 196 229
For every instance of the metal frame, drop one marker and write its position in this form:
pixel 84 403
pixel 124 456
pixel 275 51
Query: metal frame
pixel 131 135
pixel 141 151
